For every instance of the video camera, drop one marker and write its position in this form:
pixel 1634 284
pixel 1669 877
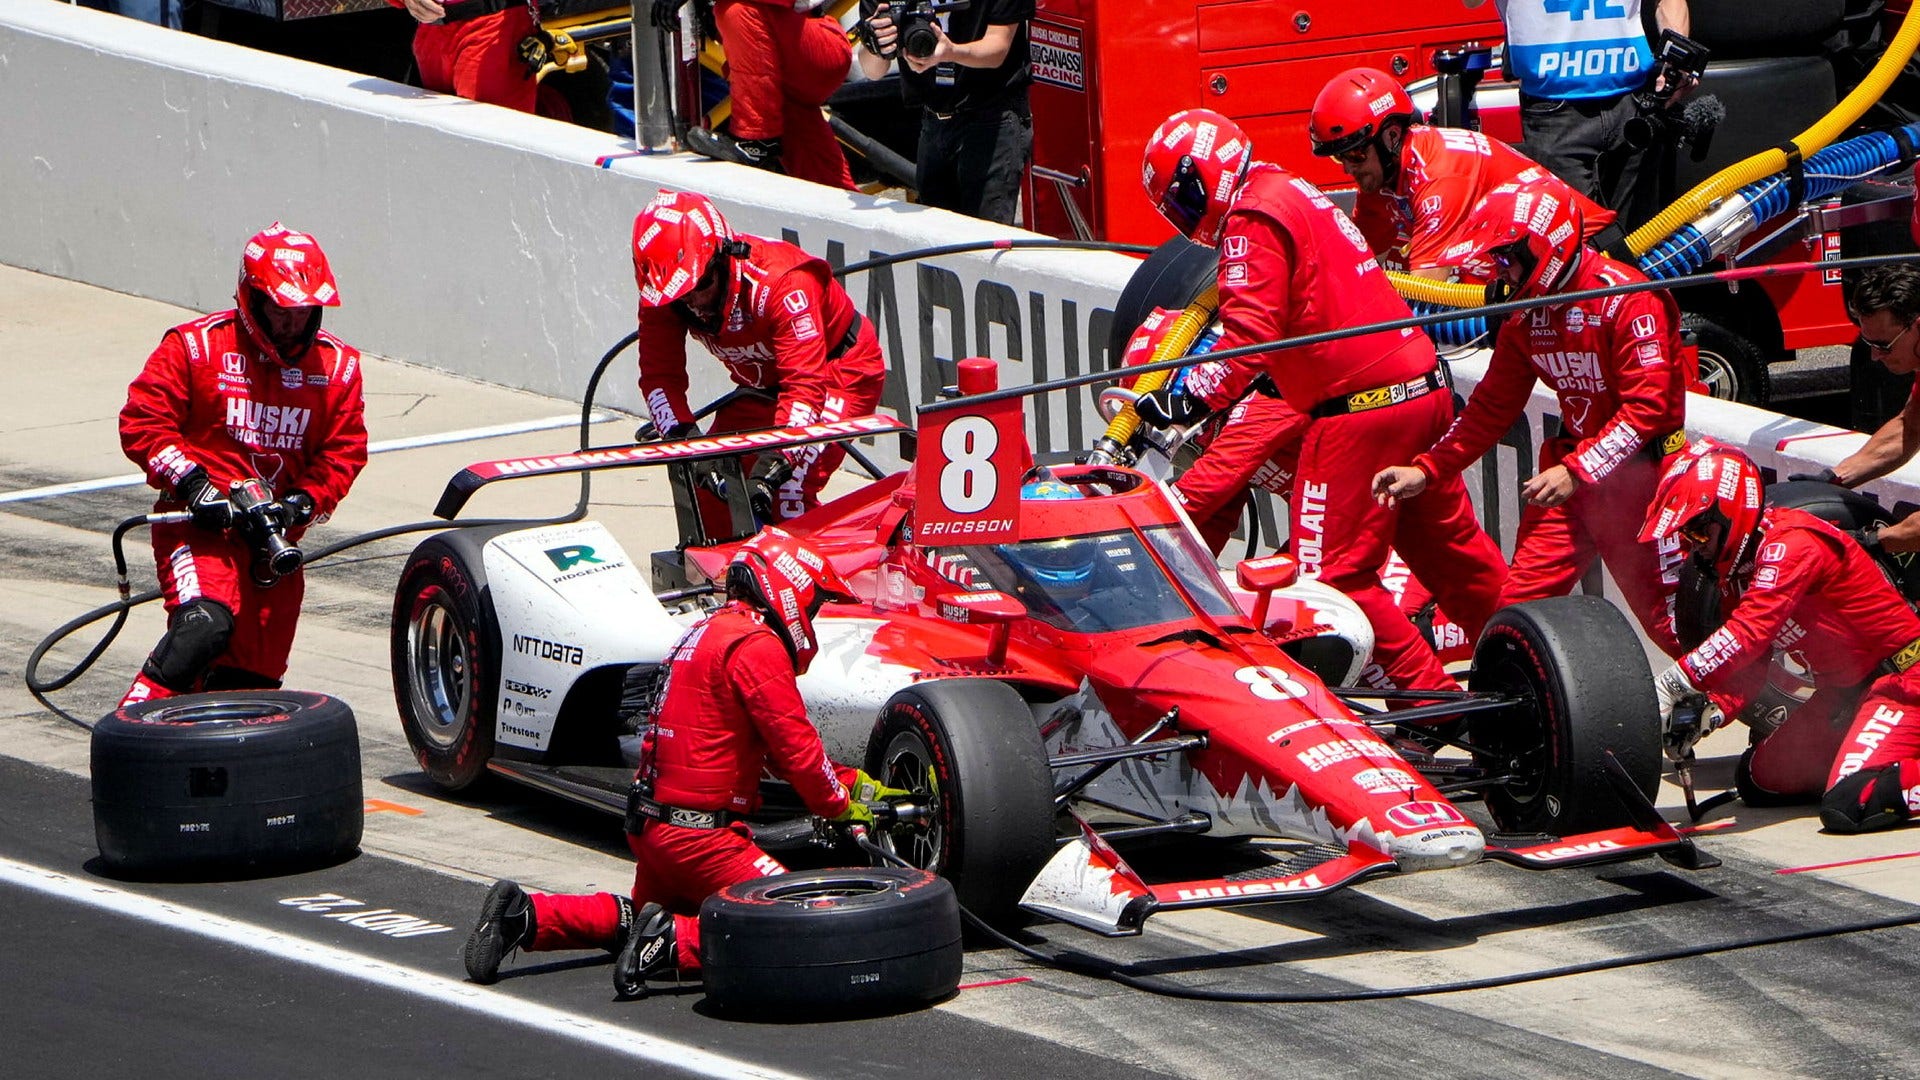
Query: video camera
pixel 914 21
pixel 257 518
pixel 1681 62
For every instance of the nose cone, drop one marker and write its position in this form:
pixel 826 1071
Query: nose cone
pixel 1438 848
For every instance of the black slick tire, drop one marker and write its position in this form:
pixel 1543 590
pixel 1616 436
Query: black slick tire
pixel 445 653
pixel 1580 663
pixel 831 942
pixel 227 784
pixel 973 747
pixel 1730 365
pixel 1173 276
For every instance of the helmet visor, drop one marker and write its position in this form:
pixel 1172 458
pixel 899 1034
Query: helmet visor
pixel 1185 200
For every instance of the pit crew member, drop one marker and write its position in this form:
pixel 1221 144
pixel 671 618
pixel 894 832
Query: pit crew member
pixel 259 391
pixel 730 708
pixel 1792 583
pixel 471 48
pixel 779 321
pixel 1885 305
pixel 1418 184
pixel 1292 264
pixel 1614 364
pixel 783 62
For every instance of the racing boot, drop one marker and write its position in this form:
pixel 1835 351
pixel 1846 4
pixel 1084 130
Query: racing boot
pixel 759 153
pixel 506 923
pixel 647 950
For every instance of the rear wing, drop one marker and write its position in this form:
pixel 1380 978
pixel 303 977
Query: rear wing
pixel 730 445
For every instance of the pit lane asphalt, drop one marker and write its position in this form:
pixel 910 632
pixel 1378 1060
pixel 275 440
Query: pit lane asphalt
pixel 92 987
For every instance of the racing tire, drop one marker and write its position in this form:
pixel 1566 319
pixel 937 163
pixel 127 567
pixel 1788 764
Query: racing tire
pixel 445 654
pixel 862 940
pixel 1580 663
pixel 227 784
pixel 1849 509
pixel 1731 366
pixel 973 747
pixel 1173 276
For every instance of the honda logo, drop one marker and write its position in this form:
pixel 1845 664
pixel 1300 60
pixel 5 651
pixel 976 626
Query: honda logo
pixel 1423 815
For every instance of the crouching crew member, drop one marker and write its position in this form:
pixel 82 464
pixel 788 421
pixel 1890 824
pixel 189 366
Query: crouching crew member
pixel 730 709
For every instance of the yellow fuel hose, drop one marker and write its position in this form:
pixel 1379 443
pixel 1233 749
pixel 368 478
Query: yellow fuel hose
pixel 1178 340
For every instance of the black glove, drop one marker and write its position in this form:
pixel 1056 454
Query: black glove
pixel 296 509
pixel 210 508
pixel 665 14
pixel 770 470
pixel 1824 476
pixel 1869 538
pixel 647 432
pixel 1165 408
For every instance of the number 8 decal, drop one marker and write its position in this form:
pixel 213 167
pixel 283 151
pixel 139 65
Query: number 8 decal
pixel 968 483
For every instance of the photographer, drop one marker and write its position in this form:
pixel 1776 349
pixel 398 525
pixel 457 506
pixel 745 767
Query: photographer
pixel 261 396
pixel 967 65
pixel 1580 71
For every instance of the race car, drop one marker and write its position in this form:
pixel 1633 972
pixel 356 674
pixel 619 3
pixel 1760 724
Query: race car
pixel 1088 682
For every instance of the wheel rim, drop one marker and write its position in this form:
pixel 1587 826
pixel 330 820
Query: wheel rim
pixel 200 712
pixel 439 670
pixel 1525 755
pixel 806 893
pixel 908 763
pixel 1722 379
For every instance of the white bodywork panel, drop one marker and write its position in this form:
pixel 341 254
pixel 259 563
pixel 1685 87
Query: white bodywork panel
pixel 568 600
pixel 846 684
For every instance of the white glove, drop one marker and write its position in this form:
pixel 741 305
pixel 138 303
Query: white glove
pixel 1672 687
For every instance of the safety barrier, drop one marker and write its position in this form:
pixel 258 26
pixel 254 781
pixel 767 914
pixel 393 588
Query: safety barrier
pixel 495 245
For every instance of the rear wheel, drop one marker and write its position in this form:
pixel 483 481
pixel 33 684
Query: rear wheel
pixel 1173 276
pixel 972 746
pixel 1580 665
pixel 445 656
pixel 1733 367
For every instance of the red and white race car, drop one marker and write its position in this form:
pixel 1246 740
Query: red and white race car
pixel 1085 682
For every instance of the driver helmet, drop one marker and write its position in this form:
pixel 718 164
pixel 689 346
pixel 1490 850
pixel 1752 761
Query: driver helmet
pixel 678 240
pixel 1711 497
pixel 788 581
pixel 1193 166
pixel 1063 564
pixel 1533 223
pixel 284 269
pixel 1354 108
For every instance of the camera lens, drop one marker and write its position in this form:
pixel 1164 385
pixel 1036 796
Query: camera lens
pixel 918 40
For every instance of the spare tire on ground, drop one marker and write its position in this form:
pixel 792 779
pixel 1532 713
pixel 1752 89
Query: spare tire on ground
pixel 831 942
pixel 227 785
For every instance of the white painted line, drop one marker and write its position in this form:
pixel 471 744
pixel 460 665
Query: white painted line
pixel 438 988
pixel 409 443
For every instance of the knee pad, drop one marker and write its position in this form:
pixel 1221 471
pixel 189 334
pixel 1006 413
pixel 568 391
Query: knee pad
pixel 196 636
pixel 1867 800
pixel 233 678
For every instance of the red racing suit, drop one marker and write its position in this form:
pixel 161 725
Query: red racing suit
pixel 731 708
pixel 1444 173
pixel 1615 365
pixel 788 328
pixel 479 59
pixel 209 398
pixel 1292 264
pixel 782 65
pixel 1816 596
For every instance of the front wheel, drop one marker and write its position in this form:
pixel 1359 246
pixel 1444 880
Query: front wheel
pixel 972 746
pixel 445 658
pixel 1732 366
pixel 1578 666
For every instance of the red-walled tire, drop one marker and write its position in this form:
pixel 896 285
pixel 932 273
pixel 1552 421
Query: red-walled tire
pixel 227 784
pixel 826 942
pixel 445 652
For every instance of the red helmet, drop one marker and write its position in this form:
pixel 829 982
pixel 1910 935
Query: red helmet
pixel 1709 484
pixel 1353 107
pixel 1194 163
pixel 1532 222
pixel 284 269
pixel 675 240
pixel 789 581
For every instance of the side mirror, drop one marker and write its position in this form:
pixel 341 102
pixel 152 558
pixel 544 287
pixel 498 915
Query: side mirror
pixel 990 608
pixel 1263 577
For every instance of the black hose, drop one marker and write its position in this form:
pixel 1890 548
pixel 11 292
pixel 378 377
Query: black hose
pixel 1095 967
